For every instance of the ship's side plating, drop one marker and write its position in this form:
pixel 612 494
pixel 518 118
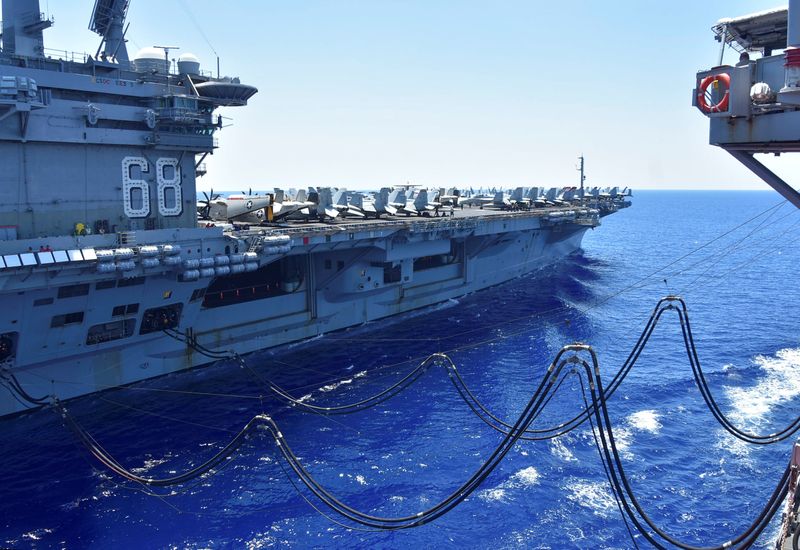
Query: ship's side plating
pixel 88 332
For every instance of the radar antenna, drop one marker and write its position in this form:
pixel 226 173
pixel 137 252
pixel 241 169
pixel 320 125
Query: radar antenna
pixel 108 18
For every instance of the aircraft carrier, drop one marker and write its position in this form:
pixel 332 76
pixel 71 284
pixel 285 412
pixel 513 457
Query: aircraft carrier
pixel 108 277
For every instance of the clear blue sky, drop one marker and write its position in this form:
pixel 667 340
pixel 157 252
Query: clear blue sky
pixel 449 92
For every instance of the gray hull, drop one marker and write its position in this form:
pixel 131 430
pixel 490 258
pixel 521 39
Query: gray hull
pixel 343 281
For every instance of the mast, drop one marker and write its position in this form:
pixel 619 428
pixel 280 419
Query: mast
pixel 583 176
pixel 108 20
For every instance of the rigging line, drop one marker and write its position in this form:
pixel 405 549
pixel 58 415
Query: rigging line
pixel 533 408
pixel 435 511
pixel 771 210
pixel 278 391
pixel 736 244
pixel 178 479
pixel 748 262
pixel 479 410
pixel 140 489
pixel 325 412
pixel 402 384
pixel 760 244
pixel 717 256
pixel 447 504
pixel 422 357
pixel 740 246
pixel 573 423
pixel 111 463
pixel 156 390
pixel 165 417
pixel 675 261
pixel 540 317
pixel 714 279
pixel 704 281
pixel 298 367
pixel 267 385
pixel 662 306
pixel 154 495
pixel 312 484
pixel 316 384
pixel 97 373
pixel 174 493
pixel 505 336
pixel 487 341
pixel 196 23
pixel 194 344
pixel 279 460
pixel 274 388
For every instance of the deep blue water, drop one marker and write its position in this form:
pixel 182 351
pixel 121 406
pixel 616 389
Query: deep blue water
pixel 693 479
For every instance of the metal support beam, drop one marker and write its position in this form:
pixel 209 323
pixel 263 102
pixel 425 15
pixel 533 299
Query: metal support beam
pixel 787 191
pixel 199 162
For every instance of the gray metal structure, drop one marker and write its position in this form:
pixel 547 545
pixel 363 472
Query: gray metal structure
pixel 753 108
pixel 760 113
pixel 101 253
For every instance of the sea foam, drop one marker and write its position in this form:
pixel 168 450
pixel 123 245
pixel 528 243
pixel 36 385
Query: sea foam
pixel 779 384
pixel 646 421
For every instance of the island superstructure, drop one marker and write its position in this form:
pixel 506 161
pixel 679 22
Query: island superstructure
pixel 102 258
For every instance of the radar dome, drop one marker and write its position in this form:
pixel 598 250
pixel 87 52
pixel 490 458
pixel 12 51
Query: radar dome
pixel 150 60
pixel 188 64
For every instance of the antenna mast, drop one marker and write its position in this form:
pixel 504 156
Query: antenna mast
pixel 108 20
pixel 583 176
pixel 166 59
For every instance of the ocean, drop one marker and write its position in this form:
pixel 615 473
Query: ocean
pixel 694 480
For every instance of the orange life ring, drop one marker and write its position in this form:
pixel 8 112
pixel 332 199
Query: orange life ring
pixel 722 105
